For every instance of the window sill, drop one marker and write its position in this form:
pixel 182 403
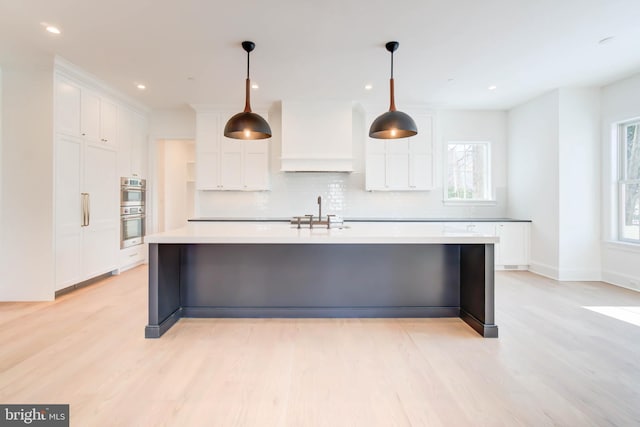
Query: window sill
pixel 470 202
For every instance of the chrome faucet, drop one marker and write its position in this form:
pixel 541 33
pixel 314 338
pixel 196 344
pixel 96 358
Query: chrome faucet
pixel 331 221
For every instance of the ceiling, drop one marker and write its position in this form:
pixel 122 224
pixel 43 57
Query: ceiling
pixel 188 51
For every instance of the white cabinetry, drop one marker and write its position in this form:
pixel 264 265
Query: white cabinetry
pixel 140 146
pixel 513 250
pixel 481 227
pixel 97 139
pixel 67 106
pixel 133 256
pixel 86 210
pixel 228 164
pixel 132 143
pixel 404 164
pixel 83 112
pixel 98 118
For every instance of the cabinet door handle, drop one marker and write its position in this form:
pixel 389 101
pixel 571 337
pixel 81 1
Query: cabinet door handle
pixel 88 209
pixel 85 208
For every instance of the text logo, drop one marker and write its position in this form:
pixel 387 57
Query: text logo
pixel 34 415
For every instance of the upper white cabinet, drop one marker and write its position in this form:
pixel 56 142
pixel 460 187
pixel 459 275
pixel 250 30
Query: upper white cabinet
pixel 404 164
pixel 108 121
pixel 228 164
pixel 139 149
pixel 67 106
pixel 90 115
pixel 132 143
pixel 83 112
pixel 317 136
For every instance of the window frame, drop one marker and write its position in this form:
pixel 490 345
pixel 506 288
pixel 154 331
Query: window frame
pixel 488 175
pixel 622 179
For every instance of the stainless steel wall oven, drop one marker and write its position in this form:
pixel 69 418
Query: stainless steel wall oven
pixel 132 191
pixel 132 211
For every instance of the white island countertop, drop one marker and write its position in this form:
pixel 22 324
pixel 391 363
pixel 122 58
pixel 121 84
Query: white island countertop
pixel 285 233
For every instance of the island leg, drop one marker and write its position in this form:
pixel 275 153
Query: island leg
pixel 164 288
pixel 477 291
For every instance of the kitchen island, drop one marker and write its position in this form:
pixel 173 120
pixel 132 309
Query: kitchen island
pixel 365 269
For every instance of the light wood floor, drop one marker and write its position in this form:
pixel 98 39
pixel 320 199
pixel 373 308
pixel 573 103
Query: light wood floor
pixel 555 363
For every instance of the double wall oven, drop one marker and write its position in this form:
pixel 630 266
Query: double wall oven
pixel 132 211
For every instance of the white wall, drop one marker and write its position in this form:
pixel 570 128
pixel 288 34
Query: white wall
pixel 579 184
pixel 172 124
pixel 554 174
pixel 1 179
pixel 620 262
pixel 343 193
pixel 533 177
pixel 26 247
pixel 177 200
pixel 164 124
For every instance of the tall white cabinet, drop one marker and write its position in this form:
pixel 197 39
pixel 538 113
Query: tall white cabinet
pixel 93 147
pixel 87 226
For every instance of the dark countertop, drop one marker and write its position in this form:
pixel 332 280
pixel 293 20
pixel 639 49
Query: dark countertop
pixel 214 219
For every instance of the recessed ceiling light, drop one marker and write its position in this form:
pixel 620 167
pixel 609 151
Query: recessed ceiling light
pixel 450 79
pixel 492 87
pixel 52 29
pixel 606 40
pixel 368 87
pixel 141 86
pixel 255 86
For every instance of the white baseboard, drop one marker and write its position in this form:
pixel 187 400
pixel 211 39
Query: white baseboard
pixel 544 270
pixel 130 266
pixel 512 267
pixel 580 276
pixel 622 280
pixel 565 275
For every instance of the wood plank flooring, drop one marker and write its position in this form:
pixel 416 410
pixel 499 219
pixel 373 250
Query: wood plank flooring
pixel 555 363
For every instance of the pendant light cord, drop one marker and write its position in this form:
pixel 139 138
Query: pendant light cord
pixel 392 103
pixel 247 101
pixel 248 53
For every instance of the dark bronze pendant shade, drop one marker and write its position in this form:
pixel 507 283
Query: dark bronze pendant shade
pixel 393 124
pixel 247 125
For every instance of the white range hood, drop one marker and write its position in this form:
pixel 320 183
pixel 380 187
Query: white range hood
pixel 317 136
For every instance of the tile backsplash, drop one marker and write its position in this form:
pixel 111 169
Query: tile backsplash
pixel 294 194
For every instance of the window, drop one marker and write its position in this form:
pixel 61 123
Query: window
pixel 468 172
pixel 629 182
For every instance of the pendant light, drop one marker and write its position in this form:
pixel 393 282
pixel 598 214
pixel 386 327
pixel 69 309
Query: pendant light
pixel 247 125
pixel 392 124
